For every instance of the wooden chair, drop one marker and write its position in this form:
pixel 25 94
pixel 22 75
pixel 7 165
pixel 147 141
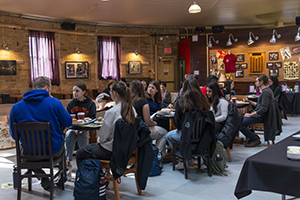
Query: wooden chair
pixel 228 154
pixel 5 98
pixel 36 136
pixel 132 169
pixel 258 129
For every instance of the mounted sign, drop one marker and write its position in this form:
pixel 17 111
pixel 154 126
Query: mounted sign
pixel 168 50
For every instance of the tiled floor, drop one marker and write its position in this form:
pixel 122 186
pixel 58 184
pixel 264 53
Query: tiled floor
pixel 169 185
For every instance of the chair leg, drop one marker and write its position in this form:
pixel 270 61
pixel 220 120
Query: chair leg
pixel 136 182
pixel 228 154
pixel 185 169
pixel 209 170
pixel 199 161
pixel 268 143
pixel 19 185
pixel 30 181
pixel 273 141
pixel 116 189
pixel 173 161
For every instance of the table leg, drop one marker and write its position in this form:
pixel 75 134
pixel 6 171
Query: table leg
pixel 170 124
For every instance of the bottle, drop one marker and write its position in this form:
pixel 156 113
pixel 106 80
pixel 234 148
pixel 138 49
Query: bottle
pixel 15 177
pixel 159 160
pixel 296 87
pixel 282 86
pixel 257 91
pixel 219 158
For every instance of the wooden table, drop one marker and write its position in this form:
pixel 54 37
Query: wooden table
pixel 63 94
pixel 17 97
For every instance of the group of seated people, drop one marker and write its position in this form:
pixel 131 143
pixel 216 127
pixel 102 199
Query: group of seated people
pixel 131 102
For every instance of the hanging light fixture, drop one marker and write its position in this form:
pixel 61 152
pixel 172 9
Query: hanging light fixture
pixel 229 43
pixel 4 45
pixel 194 8
pixel 209 41
pixel 273 39
pixel 297 38
pixel 250 41
pixel 77 50
pixel 136 52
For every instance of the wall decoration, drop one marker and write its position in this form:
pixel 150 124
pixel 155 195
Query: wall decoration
pixel 77 69
pixel 239 74
pixel 291 71
pixel 221 65
pixel 221 53
pixel 237 66
pixel 278 65
pixel 244 65
pixel 8 67
pixel 214 61
pixel 135 67
pixel 273 56
pixel 285 53
pixel 270 65
pixel 274 72
pixel 295 51
pixel 240 58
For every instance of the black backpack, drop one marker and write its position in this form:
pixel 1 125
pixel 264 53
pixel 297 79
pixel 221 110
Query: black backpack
pixel 156 168
pixel 90 181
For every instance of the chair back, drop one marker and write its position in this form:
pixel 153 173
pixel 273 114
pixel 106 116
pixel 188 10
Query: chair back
pixel 5 98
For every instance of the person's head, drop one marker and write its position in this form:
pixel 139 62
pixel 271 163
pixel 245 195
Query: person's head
pixel 154 92
pixel 79 91
pixel 192 76
pixel 42 82
pixel 192 96
pixel 144 84
pixel 137 90
pixel 262 80
pixel 229 85
pixel 163 86
pixel 211 78
pixel 273 82
pixel 213 94
pixel 110 83
pixel 120 93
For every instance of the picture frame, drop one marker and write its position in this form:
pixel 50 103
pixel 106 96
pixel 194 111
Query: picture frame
pixel 135 67
pixel 239 74
pixel 244 66
pixel 270 65
pixel 273 56
pixel 77 69
pixel 213 60
pixel 237 66
pixel 8 67
pixel 274 72
pixel 278 64
pixel 240 58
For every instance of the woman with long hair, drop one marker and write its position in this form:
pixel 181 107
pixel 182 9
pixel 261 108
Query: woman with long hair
pixel 154 97
pixel 219 105
pixel 165 94
pixel 191 99
pixel 274 85
pixel 142 108
pixel 120 93
pixel 228 88
pixel 80 103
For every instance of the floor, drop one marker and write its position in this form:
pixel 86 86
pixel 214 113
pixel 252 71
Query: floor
pixel 169 185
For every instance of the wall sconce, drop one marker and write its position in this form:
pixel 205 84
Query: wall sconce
pixel 194 8
pixel 297 38
pixel 77 50
pixel 5 46
pixel 209 41
pixel 273 39
pixel 250 41
pixel 229 43
pixel 136 52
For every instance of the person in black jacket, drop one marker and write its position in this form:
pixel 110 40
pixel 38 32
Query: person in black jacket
pixel 80 103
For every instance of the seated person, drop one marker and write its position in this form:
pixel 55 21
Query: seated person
pixel 154 97
pixel 166 95
pixel 219 105
pixel 274 85
pixel 145 85
pixel 259 113
pixel 39 106
pixel 190 99
pixel 120 93
pixel 142 108
pixel 209 79
pixel 228 88
pixel 80 103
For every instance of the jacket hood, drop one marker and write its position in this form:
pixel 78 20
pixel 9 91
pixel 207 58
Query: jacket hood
pixel 35 95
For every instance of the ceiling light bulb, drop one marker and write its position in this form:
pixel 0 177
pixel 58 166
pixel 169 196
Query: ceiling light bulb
pixel 194 8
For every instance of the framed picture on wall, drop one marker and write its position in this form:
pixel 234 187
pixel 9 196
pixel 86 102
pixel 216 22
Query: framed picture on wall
pixel 239 74
pixel 240 58
pixel 8 67
pixel 273 56
pixel 244 65
pixel 77 69
pixel 274 72
pixel 270 65
pixel 278 64
pixel 135 67
pixel 237 66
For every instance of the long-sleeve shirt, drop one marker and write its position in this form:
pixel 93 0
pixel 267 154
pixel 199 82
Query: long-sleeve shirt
pixel 263 101
pixel 222 113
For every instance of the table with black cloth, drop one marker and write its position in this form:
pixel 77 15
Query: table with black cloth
pixel 88 127
pixel 271 170
pixel 294 103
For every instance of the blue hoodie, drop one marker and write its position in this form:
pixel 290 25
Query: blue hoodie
pixel 38 106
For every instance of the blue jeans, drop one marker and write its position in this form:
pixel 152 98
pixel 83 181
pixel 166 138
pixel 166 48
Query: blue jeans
pixel 82 138
pixel 248 121
pixel 173 135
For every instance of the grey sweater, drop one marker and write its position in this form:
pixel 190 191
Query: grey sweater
pixel 263 101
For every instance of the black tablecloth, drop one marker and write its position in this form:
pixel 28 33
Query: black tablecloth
pixel 270 170
pixel 294 103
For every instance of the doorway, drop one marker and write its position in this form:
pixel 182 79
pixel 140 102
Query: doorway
pixel 181 66
pixel 166 72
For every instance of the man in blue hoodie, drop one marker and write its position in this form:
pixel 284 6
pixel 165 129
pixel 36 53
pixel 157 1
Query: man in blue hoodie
pixel 39 106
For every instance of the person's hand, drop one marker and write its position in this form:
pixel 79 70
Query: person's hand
pixel 245 99
pixel 170 106
pixel 247 115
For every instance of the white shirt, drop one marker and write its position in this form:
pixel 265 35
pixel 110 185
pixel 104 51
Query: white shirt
pixel 222 113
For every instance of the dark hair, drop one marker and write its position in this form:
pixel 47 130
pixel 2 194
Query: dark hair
pixel 211 78
pixel 216 95
pixel 227 86
pixel 157 96
pixel 137 90
pixel 124 80
pixel 275 82
pixel 192 76
pixel 164 84
pixel 41 82
pixel 263 78
pixel 123 91
pixel 82 86
pixel 192 97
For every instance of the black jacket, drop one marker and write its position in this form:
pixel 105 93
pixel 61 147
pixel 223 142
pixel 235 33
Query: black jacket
pixel 272 121
pixel 126 138
pixel 231 127
pixel 87 106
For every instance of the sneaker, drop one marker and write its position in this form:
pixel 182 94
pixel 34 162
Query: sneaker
pixel 61 181
pixel 46 184
pixel 179 166
pixel 69 173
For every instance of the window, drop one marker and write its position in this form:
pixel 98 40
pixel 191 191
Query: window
pixel 43 57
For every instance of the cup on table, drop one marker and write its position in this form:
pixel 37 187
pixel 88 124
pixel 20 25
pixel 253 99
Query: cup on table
pixel 73 116
pixel 234 100
pixel 81 115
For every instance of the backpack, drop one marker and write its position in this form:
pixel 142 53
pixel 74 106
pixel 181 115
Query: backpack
pixel 155 169
pixel 218 161
pixel 90 181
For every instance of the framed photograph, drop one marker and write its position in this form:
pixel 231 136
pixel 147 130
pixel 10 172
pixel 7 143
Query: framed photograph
pixel 244 65
pixel 135 67
pixel 8 67
pixel 278 64
pixel 270 65
pixel 237 66
pixel 240 58
pixel 77 69
pixel 213 60
pixel 239 74
pixel 274 72
pixel 273 56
